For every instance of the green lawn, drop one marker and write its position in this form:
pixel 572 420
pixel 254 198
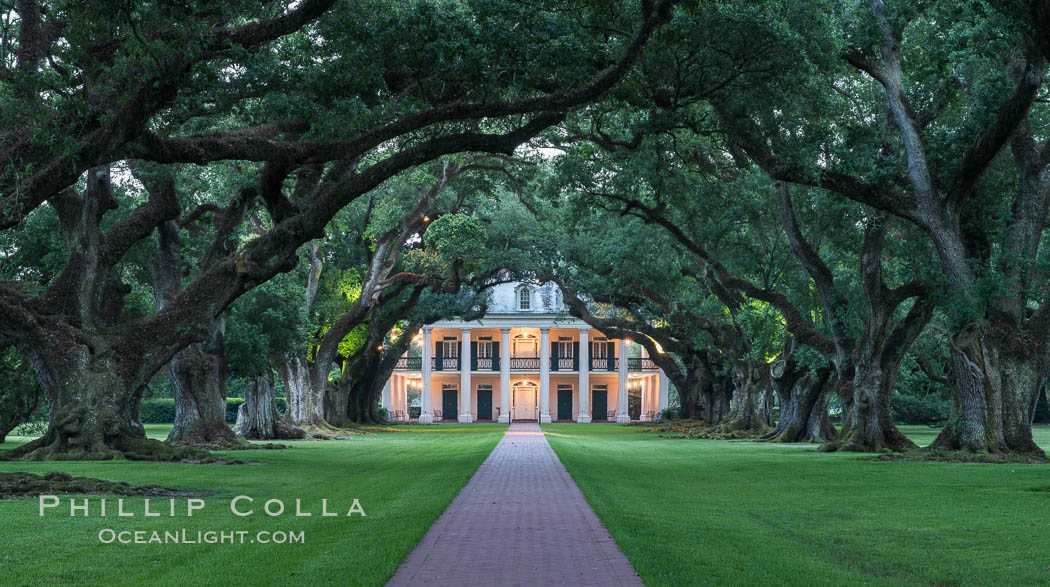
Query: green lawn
pixel 403 480
pixel 715 512
pixel 684 512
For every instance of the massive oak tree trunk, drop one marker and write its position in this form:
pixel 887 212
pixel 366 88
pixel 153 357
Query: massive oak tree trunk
pixel 871 427
pixel 745 418
pixel 198 373
pixel 877 359
pixel 996 379
pixel 257 417
pixel 306 401
pixel 94 411
pixel 337 403
pixel 690 383
pixel 198 379
pixel 804 398
pixel 716 393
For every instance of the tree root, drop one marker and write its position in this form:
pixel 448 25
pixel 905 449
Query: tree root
pixel 932 454
pixel 18 485
pixel 213 436
pixel 122 448
pixel 791 437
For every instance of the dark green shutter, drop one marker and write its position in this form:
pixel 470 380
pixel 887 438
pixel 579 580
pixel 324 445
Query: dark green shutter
pixel 495 356
pixel 439 348
pixel 473 355
pixel 576 356
pixel 611 353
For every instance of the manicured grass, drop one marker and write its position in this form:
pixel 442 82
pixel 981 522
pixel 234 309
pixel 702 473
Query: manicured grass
pixel 715 512
pixel 403 480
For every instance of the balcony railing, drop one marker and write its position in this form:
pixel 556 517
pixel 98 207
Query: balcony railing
pixel 640 364
pixel 444 364
pixel 563 364
pixel 409 364
pixel 524 363
pixel 485 364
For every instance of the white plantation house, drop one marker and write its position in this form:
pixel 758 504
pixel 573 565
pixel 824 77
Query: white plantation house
pixel 525 360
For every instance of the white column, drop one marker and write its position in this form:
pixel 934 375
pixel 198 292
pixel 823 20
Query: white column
pixel 661 403
pixel 401 397
pixel 646 404
pixel 386 393
pixel 622 417
pixel 425 417
pixel 504 375
pixel 585 388
pixel 464 378
pixel 545 375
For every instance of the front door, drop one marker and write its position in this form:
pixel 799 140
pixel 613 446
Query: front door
pixel 525 402
pixel 449 404
pixel 599 403
pixel 564 403
pixel 485 403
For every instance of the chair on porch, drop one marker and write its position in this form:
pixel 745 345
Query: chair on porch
pixel 436 414
pixel 649 417
pixel 497 414
pixel 611 416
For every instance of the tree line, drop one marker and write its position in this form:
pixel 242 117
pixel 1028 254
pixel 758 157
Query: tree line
pixel 784 202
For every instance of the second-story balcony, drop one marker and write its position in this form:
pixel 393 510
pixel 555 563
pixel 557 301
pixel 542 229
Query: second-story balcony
pixel 558 364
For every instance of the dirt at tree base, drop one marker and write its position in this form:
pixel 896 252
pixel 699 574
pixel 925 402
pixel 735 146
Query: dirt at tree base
pixel 959 456
pixel 21 485
pixel 674 426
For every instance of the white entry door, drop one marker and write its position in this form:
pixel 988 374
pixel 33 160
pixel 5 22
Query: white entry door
pixel 524 402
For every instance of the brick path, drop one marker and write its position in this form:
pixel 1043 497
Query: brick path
pixel 520 520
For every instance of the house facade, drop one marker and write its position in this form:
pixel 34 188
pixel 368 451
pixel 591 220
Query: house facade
pixel 526 360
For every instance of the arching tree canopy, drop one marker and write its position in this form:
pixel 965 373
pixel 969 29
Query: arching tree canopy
pixel 824 206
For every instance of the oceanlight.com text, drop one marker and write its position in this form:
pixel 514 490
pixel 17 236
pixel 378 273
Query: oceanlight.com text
pixel 184 536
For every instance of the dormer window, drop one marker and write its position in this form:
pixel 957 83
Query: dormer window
pixel 524 298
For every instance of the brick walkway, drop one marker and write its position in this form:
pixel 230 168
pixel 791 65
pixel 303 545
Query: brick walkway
pixel 520 520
